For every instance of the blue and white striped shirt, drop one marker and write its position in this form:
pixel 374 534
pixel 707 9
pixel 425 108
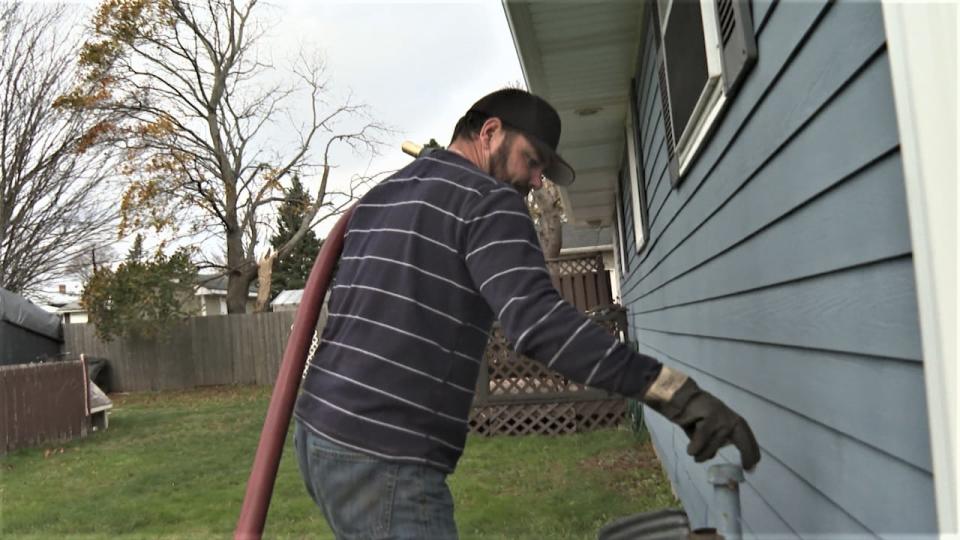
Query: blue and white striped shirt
pixel 431 256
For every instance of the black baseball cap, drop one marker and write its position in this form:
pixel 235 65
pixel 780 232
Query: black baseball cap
pixel 535 118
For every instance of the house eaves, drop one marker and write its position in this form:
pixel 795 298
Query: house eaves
pixel 581 57
pixel 204 291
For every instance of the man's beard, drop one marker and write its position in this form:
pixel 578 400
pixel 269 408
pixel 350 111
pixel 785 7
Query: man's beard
pixel 498 167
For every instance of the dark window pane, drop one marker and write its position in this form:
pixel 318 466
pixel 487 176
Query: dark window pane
pixel 686 60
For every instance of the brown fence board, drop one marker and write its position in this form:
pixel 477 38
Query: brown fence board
pixel 281 332
pixel 268 358
pixel 581 280
pixel 225 349
pixel 41 403
pixel 263 351
pixel 274 354
pixel 202 363
pixel 244 337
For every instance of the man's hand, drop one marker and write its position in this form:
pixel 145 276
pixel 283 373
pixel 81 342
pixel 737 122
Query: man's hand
pixel 706 420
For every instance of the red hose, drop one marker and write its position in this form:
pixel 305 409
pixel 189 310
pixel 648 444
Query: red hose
pixel 256 502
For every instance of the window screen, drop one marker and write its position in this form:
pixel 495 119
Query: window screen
pixel 686 61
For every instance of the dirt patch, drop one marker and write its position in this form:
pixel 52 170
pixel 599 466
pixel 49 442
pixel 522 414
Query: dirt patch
pixel 640 456
pixel 635 473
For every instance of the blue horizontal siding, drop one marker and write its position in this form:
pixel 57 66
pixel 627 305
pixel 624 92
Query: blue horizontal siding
pixel 839 221
pixel 847 138
pixel 867 485
pixel 859 396
pixel 866 310
pixel 779 274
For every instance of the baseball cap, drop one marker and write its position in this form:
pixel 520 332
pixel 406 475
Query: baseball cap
pixel 534 117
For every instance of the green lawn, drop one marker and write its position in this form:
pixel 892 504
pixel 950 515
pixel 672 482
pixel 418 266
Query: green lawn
pixel 175 465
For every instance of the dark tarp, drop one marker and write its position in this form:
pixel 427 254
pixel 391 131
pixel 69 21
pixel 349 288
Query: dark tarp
pixel 27 333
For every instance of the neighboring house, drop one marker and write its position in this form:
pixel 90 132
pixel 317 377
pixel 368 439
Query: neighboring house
pixel 287 300
pixel 209 299
pixel 65 303
pixel 589 239
pixel 211 296
pixel 749 157
pixel 73 313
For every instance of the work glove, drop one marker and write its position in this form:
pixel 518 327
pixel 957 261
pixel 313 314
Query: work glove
pixel 705 419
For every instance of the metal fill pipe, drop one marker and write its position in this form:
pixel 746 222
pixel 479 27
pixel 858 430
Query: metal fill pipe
pixel 263 475
pixel 725 511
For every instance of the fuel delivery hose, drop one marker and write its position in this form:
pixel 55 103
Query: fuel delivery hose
pixel 274 433
pixel 263 475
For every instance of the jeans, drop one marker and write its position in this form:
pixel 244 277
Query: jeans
pixel 364 497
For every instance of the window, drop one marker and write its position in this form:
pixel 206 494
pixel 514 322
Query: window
pixel 620 227
pixel 630 194
pixel 706 47
pixel 634 178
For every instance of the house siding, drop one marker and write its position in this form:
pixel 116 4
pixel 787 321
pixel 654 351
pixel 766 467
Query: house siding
pixel 778 273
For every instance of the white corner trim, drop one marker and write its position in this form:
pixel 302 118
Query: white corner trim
pixel 922 47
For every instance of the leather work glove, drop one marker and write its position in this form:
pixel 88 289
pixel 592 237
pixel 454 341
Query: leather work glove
pixel 708 423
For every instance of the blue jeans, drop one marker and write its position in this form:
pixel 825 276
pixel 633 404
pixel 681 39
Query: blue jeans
pixel 363 497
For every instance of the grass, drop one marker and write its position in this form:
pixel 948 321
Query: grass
pixel 175 465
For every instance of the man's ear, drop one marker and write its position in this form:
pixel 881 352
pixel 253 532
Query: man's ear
pixel 489 128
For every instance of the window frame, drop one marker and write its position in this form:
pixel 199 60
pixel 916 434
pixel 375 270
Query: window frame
pixel 637 180
pixel 620 228
pixel 713 97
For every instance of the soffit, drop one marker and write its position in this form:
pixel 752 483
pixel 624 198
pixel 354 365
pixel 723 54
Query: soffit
pixel 581 57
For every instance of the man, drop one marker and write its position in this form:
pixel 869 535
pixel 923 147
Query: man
pixel 431 257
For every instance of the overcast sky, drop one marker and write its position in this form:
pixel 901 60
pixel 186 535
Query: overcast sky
pixel 417 65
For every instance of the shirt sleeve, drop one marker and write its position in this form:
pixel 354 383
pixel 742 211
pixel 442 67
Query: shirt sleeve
pixel 505 261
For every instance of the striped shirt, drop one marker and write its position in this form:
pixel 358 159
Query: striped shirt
pixel 431 256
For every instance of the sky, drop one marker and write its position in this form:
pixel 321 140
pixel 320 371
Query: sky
pixel 418 66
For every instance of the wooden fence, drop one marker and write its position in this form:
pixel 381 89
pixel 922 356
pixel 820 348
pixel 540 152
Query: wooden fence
pixel 516 395
pixel 581 280
pixel 200 351
pixel 42 403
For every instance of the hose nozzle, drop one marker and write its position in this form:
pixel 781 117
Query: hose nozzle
pixel 411 148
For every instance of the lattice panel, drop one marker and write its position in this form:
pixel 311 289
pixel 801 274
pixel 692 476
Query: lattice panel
pixel 512 374
pixel 598 414
pixel 546 418
pixel 524 419
pixel 572 267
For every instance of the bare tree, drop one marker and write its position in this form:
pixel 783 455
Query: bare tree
pixel 546 209
pixel 197 100
pixel 54 189
pixel 83 267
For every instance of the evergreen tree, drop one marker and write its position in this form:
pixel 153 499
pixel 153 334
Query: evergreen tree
pixel 291 271
pixel 143 297
pixel 136 250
